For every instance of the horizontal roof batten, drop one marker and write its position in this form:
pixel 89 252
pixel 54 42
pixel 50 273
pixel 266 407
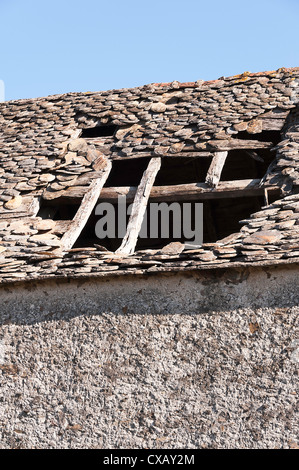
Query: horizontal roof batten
pixel 117 156
pixel 215 146
pixel 180 192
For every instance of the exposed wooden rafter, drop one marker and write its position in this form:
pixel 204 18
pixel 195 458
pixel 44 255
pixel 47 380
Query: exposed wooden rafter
pixel 87 205
pixel 215 169
pixel 139 206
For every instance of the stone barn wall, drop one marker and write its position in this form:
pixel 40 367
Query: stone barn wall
pixel 202 360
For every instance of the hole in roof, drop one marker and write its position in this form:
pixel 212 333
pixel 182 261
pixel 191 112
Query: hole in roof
pixel 99 131
pixel 174 170
pixel 57 209
pixel 222 216
pixel 221 212
pixel 246 164
pixel 264 136
pixel 182 170
pixel 88 236
pixel 127 172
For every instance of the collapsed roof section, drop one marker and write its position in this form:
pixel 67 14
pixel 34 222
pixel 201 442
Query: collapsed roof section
pixel 231 143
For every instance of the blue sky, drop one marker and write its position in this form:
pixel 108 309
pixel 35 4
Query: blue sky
pixel 50 47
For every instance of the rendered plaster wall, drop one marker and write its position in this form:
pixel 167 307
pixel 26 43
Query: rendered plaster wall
pixel 182 361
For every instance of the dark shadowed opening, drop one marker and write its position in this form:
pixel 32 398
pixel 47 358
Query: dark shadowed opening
pixel 264 136
pixel 99 131
pixel 127 172
pixel 174 170
pixel 57 209
pixel 246 164
pixel 221 217
pixel 250 163
pixel 182 170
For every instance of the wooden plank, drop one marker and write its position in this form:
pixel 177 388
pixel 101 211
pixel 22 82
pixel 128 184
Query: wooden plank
pixel 238 144
pixel 272 124
pixel 139 207
pixel 274 120
pixel 89 201
pixel 208 151
pixel 149 154
pixel 215 169
pixel 179 192
pixel 266 197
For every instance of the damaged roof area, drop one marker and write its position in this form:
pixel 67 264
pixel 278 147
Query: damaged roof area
pixel 231 144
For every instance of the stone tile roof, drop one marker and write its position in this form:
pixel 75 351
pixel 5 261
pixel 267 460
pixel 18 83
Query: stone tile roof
pixel 43 157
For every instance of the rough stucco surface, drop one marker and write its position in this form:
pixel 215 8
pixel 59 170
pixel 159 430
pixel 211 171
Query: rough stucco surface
pixel 185 361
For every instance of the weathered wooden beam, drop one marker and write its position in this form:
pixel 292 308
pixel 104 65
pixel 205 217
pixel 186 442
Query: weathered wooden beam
pixel 139 207
pixel 215 169
pixel 238 144
pixel 272 124
pixel 83 213
pixel 274 120
pixel 179 192
pixel 182 154
pixel 209 147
